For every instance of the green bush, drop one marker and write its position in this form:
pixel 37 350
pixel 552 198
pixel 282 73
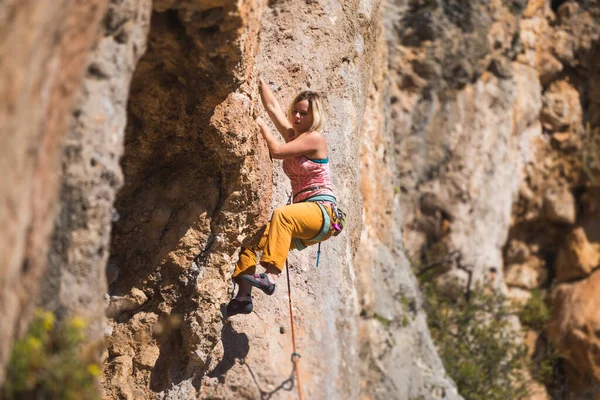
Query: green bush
pixel 46 363
pixel 544 367
pixel 535 313
pixel 481 351
pixel 516 7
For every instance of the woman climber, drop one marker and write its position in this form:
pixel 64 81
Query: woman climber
pixel 302 223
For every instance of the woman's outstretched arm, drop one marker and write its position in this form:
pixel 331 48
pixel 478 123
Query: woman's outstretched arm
pixel 305 145
pixel 276 113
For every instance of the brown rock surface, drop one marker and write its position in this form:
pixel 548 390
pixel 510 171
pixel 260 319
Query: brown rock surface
pixel 536 7
pixel 452 147
pixel 75 283
pixel 559 205
pixel 399 358
pixel 555 216
pixel 529 275
pixel 575 325
pixel 561 107
pixel 576 32
pixel 477 210
pixel 43 49
pixel 536 35
pixel 197 185
pixel 467 147
pixel 580 253
pixel 195 188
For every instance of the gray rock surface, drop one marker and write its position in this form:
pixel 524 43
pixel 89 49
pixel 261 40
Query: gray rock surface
pixel 43 48
pixel 75 282
pixel 461 144
pixel 198 186
pixel 398 358
pixel 442 147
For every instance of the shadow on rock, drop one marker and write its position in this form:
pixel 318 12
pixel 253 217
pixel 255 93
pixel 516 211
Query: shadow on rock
pixel 170 367
pixel 235 346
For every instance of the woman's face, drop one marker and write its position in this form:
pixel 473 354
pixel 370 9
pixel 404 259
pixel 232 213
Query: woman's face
pixel 302 118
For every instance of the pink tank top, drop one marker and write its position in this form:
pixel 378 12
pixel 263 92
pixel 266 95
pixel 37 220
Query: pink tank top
pixel 309 177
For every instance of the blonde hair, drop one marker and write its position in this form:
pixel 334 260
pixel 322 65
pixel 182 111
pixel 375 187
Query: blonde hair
pixel 316 106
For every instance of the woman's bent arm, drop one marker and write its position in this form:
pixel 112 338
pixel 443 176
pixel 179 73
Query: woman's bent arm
pixel 275 111
pixel 303 145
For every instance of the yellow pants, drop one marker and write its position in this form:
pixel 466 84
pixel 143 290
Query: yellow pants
pixel 303 221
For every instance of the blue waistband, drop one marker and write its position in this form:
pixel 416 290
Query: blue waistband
pixel 318 160
pixel 321 197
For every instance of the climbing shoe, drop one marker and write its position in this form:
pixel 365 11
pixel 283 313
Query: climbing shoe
pixel 239 306
pixel 260 281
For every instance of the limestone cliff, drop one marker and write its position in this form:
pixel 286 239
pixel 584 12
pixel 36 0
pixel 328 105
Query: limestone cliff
pixel 43 50
pixel 398 358
pixel 198 185
pixel 496 136
pixel 460 131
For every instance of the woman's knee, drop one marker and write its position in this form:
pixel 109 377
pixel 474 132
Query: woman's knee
pixel 279 213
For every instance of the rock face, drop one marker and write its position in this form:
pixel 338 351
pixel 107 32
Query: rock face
pixel 496 142
pixel 580 254
pixel 397 356
pixel 75 283
pixel 43 47
pixel 461 132
pixel 554 220
pixel 465 122
pixel 197 185
pixel 574 331
pixel 562 107
pixel 210 193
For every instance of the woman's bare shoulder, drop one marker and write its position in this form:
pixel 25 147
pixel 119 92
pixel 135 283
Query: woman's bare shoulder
pixel 317 135
pixel 319 142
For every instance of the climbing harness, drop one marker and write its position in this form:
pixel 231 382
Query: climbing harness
pixel 337 226
pixel 324 231
pixel 295 354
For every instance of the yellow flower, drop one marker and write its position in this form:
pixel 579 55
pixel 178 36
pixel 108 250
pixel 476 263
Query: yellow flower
pixel 34 343
pixel 48 321
pixel 77 323
pixel 94 369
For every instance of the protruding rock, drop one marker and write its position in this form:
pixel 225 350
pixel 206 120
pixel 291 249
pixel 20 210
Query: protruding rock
pixel 559 205
pixel 580 254
pixel 548 67
pixel 147 357
pixel 537 37
pixel 575 326
pixel 516 252
pixel 120 304
pixel 529 275
pixel 536 8
pixel 121 371
pixel 44 47
pixel 562 107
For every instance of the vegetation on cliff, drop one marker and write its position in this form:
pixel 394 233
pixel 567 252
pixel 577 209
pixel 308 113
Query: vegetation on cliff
pixel 474 328
pixel 47 362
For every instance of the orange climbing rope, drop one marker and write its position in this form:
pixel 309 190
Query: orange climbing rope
pixel 295 355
